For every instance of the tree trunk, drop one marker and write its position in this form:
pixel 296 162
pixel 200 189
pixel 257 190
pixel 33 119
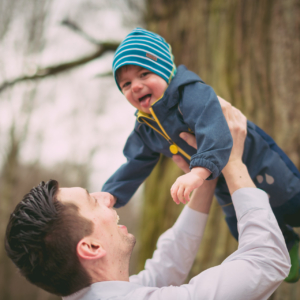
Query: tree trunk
pixel 249 52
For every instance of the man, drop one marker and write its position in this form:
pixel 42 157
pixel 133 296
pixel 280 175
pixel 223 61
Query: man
pixel 67 242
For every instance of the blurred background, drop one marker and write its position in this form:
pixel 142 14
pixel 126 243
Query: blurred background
pixel 62 117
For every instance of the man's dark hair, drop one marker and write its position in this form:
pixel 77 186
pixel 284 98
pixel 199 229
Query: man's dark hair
pixel 41 239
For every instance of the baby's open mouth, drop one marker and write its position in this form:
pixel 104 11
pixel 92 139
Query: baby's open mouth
pixel 144 97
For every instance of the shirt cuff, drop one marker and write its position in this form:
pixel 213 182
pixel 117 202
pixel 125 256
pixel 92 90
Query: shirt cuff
pixel 191 221
pixel 246 199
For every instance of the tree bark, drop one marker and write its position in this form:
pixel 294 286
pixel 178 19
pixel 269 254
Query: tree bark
pixel 248 51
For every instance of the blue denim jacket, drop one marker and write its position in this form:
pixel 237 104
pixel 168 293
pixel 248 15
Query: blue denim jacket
pixel 190 105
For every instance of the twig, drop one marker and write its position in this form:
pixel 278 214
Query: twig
pixel 72 25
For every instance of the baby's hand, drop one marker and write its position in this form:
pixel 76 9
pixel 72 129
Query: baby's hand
pixel 185 184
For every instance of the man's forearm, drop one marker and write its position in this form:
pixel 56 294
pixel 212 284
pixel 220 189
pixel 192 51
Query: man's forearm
pixel 202 197
pixel 237 176
pixel 177 247
pixel 176 251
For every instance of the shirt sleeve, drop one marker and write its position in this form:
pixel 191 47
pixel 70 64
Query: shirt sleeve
pixel 252 272
pixel 176 251
pixel 202 112
pixel 140 162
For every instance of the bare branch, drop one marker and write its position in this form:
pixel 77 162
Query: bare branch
pixel 60 68
pixel 106 74
pixel 72 25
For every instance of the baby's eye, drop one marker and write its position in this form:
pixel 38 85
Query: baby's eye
pixel 145 73
pixel 124 85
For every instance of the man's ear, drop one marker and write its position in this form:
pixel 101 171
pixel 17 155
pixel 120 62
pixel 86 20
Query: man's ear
pixel 89 248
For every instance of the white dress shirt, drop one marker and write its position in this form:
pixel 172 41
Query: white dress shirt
pixel 254 271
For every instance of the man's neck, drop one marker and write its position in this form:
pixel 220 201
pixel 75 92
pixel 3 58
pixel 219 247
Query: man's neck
pixel 109 270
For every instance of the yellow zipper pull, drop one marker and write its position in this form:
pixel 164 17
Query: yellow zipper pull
pixel 173 149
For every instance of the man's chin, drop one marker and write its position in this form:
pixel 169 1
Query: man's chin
pixel 132 243
pixel 130 240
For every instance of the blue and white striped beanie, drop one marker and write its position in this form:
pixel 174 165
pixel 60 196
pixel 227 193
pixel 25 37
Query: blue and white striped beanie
pixel 147 50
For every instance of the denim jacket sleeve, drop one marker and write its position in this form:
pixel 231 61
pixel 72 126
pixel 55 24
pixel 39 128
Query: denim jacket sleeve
pixel 140 162
pixel 202 112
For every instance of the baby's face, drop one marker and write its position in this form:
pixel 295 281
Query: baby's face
pixel 140 86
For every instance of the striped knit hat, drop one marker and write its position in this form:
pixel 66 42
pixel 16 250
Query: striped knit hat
pixel 148 50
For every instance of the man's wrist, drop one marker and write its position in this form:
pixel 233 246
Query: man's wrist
pixel 202 196
pixel 237 176
pixel 233 166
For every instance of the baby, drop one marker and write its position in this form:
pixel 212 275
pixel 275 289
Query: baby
pixel 172 100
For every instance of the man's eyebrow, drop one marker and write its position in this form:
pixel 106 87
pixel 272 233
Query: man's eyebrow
pixel 88 194
pixel 90 197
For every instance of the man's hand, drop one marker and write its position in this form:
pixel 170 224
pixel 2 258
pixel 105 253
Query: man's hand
pixel 237 124
pixel 178 159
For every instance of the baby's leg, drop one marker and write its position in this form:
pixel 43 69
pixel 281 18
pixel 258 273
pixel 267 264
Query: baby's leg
pixel 224 199
pixel 286 218
pixel 232 225
pixel 288 233
pixel 287 215
pixel 272 171
pixel 290 211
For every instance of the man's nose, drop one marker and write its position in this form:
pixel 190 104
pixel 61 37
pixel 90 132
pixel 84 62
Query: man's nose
pixel 106 200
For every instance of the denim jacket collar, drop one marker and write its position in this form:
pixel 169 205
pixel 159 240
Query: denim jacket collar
pixel 182 77
pixel 171 96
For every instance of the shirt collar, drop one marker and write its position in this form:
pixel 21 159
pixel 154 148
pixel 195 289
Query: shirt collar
pixel 104 290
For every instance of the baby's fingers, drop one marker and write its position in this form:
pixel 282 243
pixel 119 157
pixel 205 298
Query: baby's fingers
pixel 174 190
pixel 187 192
pixel 180 194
